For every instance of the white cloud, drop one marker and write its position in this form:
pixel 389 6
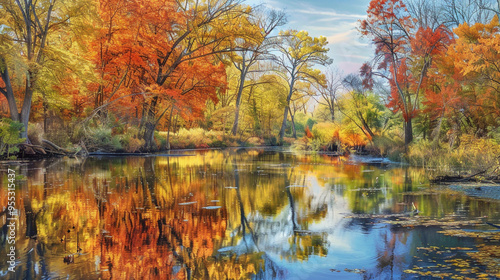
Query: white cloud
pixel 331 14
pixel 345 36
pixel 358 56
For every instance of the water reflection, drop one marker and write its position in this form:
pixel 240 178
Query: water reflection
pixel 233 214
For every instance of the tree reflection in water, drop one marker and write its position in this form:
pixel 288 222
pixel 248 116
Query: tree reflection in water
pixel 250 213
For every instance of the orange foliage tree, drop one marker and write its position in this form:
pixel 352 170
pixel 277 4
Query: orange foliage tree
pixel 443 91
pixel 476 55
pixel 165 51
pixel 464 83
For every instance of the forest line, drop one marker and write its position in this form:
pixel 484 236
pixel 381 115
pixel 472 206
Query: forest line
pixel 130 76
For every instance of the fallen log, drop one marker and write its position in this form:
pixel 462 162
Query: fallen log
pixel 459 178
pixel 54 147
pixel 32 149
pixel 48 148
pixel 447 178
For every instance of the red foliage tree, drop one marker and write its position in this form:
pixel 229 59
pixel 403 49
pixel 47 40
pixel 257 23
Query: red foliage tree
pixel 403 55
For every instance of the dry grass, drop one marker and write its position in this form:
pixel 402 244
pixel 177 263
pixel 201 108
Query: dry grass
pixel 199 138
pixel 472 155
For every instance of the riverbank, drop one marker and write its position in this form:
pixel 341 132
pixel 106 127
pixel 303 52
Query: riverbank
pixel 478 190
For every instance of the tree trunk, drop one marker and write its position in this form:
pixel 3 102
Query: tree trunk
pixel 149 137
pixel 293 125
pixel 169 127
pixel 234 130
pixel 149 126
pixel 436 133
pixel 9 93
pixel 238 102
pixel 408 132
pixel 143 118
pixel 45 109
pixel 283 124
pixel 28 96
pixel 285 114
pixel 365 125
pixel 25 111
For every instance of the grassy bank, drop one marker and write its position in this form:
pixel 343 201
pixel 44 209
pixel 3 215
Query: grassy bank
pixel 469 156
pixel 116 138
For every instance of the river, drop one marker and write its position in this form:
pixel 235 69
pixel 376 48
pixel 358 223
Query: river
pixel 234 214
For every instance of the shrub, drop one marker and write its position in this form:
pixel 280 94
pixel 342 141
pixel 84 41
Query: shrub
pixel 301 144
pixel 197 138
pixel 59 136
pixel 100 138
pixel 218 144
pixel 9 136
pixel 325 131
pixel 35 133
pixel 327 136
pixel 310 123
pixel 299 128
pixel 287 141
pixel 255 141
pixel 271 141
pixel 315 145
pixel 161 140
pixel 203 146
pixel 390 147
pixel 308 132
pixel 131 144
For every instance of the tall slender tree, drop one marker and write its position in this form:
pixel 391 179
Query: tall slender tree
pixel 251 50
pixel 329 92
pixel 297 54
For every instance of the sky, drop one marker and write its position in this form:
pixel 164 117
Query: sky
pixel 335 19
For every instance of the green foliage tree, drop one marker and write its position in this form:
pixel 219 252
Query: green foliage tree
pixel 297 54
pixel 360 106
pixel 251 50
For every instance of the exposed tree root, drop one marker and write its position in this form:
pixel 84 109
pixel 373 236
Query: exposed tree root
pixel 48 149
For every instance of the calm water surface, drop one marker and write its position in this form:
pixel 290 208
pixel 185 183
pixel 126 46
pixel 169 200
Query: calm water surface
pixel 231 214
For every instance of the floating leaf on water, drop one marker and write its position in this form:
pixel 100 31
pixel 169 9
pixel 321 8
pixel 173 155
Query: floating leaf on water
pixel 356 270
